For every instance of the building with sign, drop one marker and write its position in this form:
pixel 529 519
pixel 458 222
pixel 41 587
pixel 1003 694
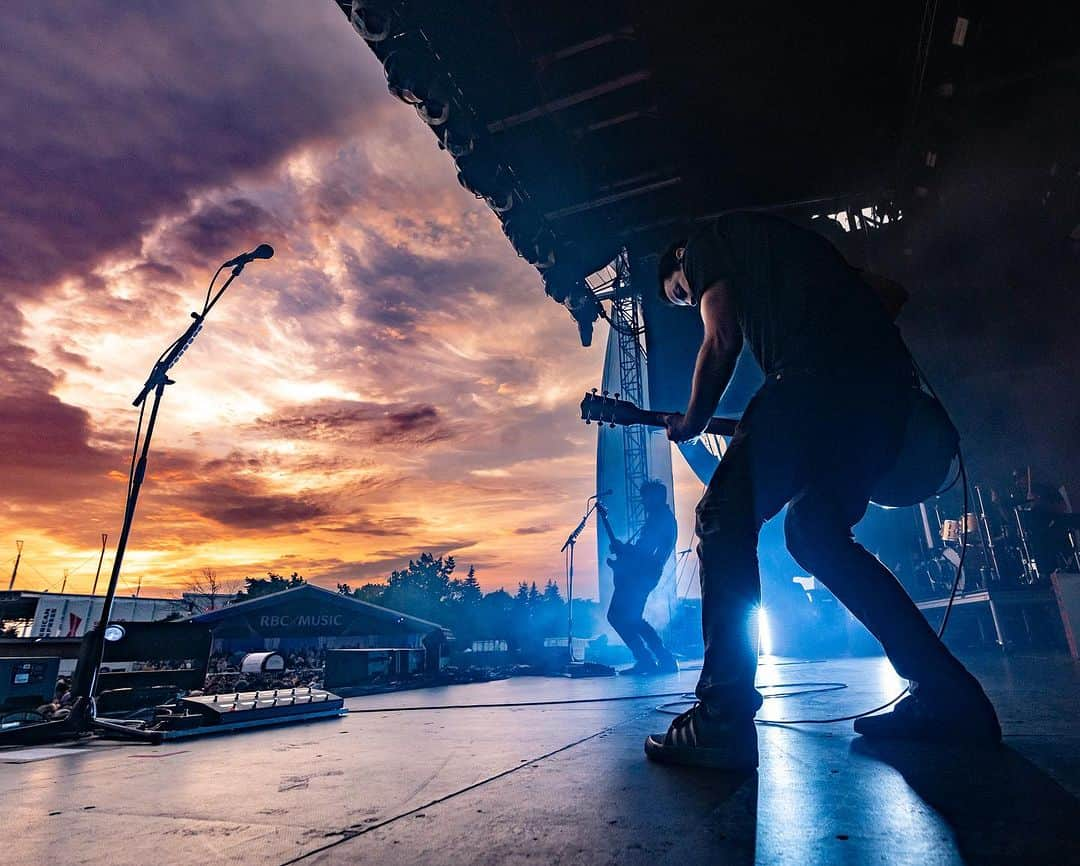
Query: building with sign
pixel 311 618
pixel 69 615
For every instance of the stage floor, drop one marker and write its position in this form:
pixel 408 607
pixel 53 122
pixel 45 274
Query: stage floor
pixel 568 783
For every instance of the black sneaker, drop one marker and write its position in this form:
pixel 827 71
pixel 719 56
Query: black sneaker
pixel 666 663
pixel 964 715
pixel 641 669
pixel 696 739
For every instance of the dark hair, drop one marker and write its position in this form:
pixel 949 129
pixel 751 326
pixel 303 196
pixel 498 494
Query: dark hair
pixel 651 485
pixel 668 264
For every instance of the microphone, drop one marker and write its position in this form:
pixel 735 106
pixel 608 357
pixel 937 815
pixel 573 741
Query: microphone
pixel 262 251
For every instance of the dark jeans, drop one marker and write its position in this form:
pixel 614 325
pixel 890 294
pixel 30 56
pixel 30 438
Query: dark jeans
pixel 625 615
pixel 818 443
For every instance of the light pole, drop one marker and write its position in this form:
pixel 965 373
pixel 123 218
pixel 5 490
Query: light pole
pixel 15 570
pixel 101 559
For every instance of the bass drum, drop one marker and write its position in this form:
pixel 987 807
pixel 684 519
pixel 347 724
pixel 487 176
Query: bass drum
pixel 926 455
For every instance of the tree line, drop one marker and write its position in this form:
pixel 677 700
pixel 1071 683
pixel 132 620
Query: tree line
pixel 430 589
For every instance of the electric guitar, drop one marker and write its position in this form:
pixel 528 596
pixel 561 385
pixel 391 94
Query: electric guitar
pixel 624 566
pixel 920 469
pixel 604 409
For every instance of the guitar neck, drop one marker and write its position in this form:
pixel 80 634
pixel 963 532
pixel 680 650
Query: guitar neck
pixel 606 409
pixel 719 426
pixel 607 526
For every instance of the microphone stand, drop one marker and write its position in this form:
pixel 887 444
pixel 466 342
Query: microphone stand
pixel 574 668
pixel 84 717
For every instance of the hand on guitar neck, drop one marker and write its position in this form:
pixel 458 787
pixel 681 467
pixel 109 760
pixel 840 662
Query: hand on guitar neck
pixel 605 409
pixel 626 562
pixel 601 509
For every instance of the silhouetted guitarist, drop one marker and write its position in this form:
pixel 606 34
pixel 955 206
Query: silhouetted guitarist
pixel 637 567
pixel 818 435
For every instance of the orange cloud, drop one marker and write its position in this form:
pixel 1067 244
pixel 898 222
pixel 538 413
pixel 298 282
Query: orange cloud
pixel 392 381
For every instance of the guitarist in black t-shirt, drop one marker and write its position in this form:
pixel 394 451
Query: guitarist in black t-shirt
pixel 818 435
pixel 637 566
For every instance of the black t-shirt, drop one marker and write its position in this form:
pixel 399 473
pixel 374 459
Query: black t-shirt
pixel 656 541
pixel 800 305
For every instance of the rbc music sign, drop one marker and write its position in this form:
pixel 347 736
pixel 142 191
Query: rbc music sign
pixel 292 620
pixel 312 620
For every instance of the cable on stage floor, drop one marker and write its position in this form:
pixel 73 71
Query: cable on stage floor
pixel 815 688
pixel 686 696
pixel 508 704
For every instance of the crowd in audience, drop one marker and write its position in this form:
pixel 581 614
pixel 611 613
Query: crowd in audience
pixel 303 668
pixel 237 682
pixel 60 706
pixel 155 665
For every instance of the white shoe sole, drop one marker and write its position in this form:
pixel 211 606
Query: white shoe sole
pixel 724 759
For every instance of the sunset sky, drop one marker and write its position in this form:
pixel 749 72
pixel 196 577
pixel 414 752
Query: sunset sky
pixel 393 381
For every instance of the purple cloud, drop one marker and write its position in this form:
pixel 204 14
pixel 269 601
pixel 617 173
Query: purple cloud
pixel 136 108
pixel 373 423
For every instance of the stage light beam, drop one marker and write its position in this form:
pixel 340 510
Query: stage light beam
pixel 765 644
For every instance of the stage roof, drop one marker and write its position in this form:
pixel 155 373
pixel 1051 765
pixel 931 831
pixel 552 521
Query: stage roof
pixel 593 126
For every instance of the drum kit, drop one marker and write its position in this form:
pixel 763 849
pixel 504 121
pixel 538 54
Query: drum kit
pixel 1013 541
pixel 951 530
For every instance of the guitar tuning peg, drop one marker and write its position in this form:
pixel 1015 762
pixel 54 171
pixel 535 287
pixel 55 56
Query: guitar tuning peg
pixel 587 421
pixel 616 395
pixel 605 393
pixel 613 425
pixel 594 390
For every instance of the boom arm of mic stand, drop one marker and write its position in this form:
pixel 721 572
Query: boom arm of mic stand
pixel 180 346
pixel 573 536
pixel 161 367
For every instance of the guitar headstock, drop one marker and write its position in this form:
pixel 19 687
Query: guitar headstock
pixel 609 409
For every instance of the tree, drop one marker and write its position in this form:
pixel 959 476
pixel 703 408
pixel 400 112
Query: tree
pixel 551 616
pixel 424 588
pixel 495 619
pixel 471 594
pixel 256 587
pixel 344 589
pixel 521 632
pixel 552 595
pixel 208 592
pixel 466 616
pixel 371 592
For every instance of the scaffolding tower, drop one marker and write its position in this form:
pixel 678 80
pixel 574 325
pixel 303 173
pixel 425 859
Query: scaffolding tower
pixel 626 319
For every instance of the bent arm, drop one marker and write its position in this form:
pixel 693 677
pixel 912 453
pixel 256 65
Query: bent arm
pixel 717 356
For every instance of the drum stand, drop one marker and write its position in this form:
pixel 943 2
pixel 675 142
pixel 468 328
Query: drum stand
pixel 987 537
pixel 1031 568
